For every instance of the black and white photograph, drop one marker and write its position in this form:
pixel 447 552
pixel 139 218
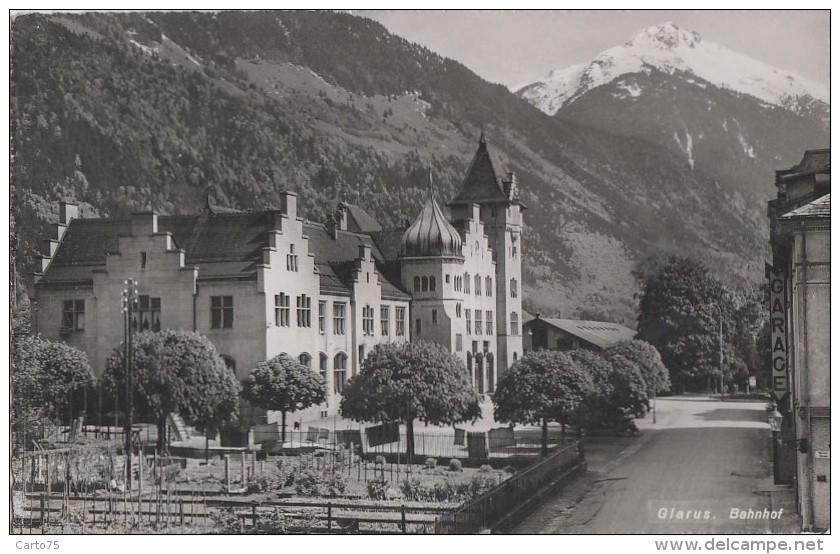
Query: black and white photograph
pixel 420 272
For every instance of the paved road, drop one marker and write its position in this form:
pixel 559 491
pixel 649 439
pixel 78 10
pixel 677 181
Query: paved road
pixel 685 474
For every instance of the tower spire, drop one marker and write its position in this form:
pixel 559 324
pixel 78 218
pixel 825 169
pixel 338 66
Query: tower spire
pixel 431 184
pixel 482 140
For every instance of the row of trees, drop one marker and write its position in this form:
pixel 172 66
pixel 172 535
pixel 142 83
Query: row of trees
pixel 581 387
pixel 180 372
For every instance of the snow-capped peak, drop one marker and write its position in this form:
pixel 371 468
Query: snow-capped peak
pixel 671 49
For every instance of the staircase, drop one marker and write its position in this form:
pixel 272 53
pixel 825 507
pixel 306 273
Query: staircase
pixel 180 433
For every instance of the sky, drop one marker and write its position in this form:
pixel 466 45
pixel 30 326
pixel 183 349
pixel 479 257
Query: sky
pixel 517 47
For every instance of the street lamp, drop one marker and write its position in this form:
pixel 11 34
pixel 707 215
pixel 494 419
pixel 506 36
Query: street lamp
pixel 129 301
pixel 775 421
pixel 720 346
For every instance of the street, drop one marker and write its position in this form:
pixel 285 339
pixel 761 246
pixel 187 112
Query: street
pixel 702 462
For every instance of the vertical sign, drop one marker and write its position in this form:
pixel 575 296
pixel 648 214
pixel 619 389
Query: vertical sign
pixel 778 330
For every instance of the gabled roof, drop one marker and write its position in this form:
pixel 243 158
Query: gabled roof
pixel 223 245
pixel 600 333
pixel 482 183
pixel 359 221
pixel 819 208
pixel 813 161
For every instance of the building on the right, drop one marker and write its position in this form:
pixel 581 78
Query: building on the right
pixel 800 289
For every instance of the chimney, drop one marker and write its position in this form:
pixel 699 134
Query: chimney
pixel 537 316
pixel 289 207
pixel 144 223
pixel 364 252
pixel 341 216
pixel 67 211
pixel 332 226
pixel 475 212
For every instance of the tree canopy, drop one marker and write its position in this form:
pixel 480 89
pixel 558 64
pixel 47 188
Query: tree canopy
pixel 542 386
pixel 285 385
pixel 46 378
pixel 407 381
pixel 679 313
pixel 178 372
pixel 648 360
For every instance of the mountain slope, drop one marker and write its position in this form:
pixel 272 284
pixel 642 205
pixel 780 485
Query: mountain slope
pixel 670 49
pixel 129 111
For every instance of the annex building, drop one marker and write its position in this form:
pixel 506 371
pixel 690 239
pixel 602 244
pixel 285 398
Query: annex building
pixel 258 284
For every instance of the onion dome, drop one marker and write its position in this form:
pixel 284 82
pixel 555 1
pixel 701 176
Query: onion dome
pixel 430 234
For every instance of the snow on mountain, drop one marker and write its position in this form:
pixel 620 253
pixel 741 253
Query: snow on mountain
pixel 669 48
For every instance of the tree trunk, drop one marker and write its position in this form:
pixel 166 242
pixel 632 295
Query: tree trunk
pixel 545 437
pixel 161 431
pixel 283 429
pixel 409 439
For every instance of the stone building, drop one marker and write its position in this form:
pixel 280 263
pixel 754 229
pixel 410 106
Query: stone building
pixel 262 283
pixel 800 218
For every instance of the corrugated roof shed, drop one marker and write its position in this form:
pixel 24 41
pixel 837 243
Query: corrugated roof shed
pixel 600 333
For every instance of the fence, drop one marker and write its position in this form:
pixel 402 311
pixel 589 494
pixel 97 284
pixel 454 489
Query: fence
pixel 498 507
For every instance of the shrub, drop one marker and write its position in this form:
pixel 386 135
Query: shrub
pixel 486 468
pixel 309 483
pixel 480 484
pixel 379 460
pixel 378 489
pixel 510 469
pixel 431 463
pixel 454 464
pixel 336 485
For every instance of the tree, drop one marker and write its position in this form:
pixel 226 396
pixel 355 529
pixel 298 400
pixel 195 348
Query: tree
pixel 542 386
pixel 648 360
pixel 285 385
pixel 619 389
pixel 679 313
pixel 411 381
pixel 175 371
pixel 47 379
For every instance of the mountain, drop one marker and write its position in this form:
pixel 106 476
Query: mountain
pixel 127 111
pixel 669 49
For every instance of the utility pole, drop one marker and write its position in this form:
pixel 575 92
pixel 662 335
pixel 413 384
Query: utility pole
pixel 720 346
pixel 129 300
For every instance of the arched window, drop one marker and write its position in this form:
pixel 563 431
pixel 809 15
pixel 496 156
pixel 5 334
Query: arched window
pixel 417 284
pixel 513 288
pixel 491 374
pixel 425 283
pixel 488 286
pixel 514 356
pixel 339 372
pixel 478 284
pixel 467 283
pixel 432 283
pixel 305 360
pixel 479 373
pixel 469 361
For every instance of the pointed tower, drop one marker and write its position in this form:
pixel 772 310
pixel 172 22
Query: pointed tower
pixel 501 214
pixel 430 254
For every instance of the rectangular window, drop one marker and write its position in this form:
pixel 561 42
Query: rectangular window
pixel 447 278
pixel 291 259
pixel 486 346
pixel 322 317
pixel 474 346
pixel 468 318
pixel 339 314
pixel 488 285
pixel 513 252
pixel 478 325
pixel 367 320
pixel 73 316
pixel 490 329
pixel 467 283
pixel 281 310
pixel 434 317
pixel 478 285
pixel 361 355
pixel 339 372
pixel 459 342
pixel 142 260
pixel 221 312
pixel 458 310
pixel 385 320
pixel 147 314
pixel 513 288
pixel 400 322
pixel 304 311
pixel 418 325
pixel 514 323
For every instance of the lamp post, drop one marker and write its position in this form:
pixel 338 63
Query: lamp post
pixel 129 300
pixel 720 346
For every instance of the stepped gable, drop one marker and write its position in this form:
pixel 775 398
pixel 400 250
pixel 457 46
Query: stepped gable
pixel 482 183
pixel 430 234
pixel 813 161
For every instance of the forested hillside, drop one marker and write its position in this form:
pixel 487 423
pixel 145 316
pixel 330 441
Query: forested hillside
pixel 129 111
